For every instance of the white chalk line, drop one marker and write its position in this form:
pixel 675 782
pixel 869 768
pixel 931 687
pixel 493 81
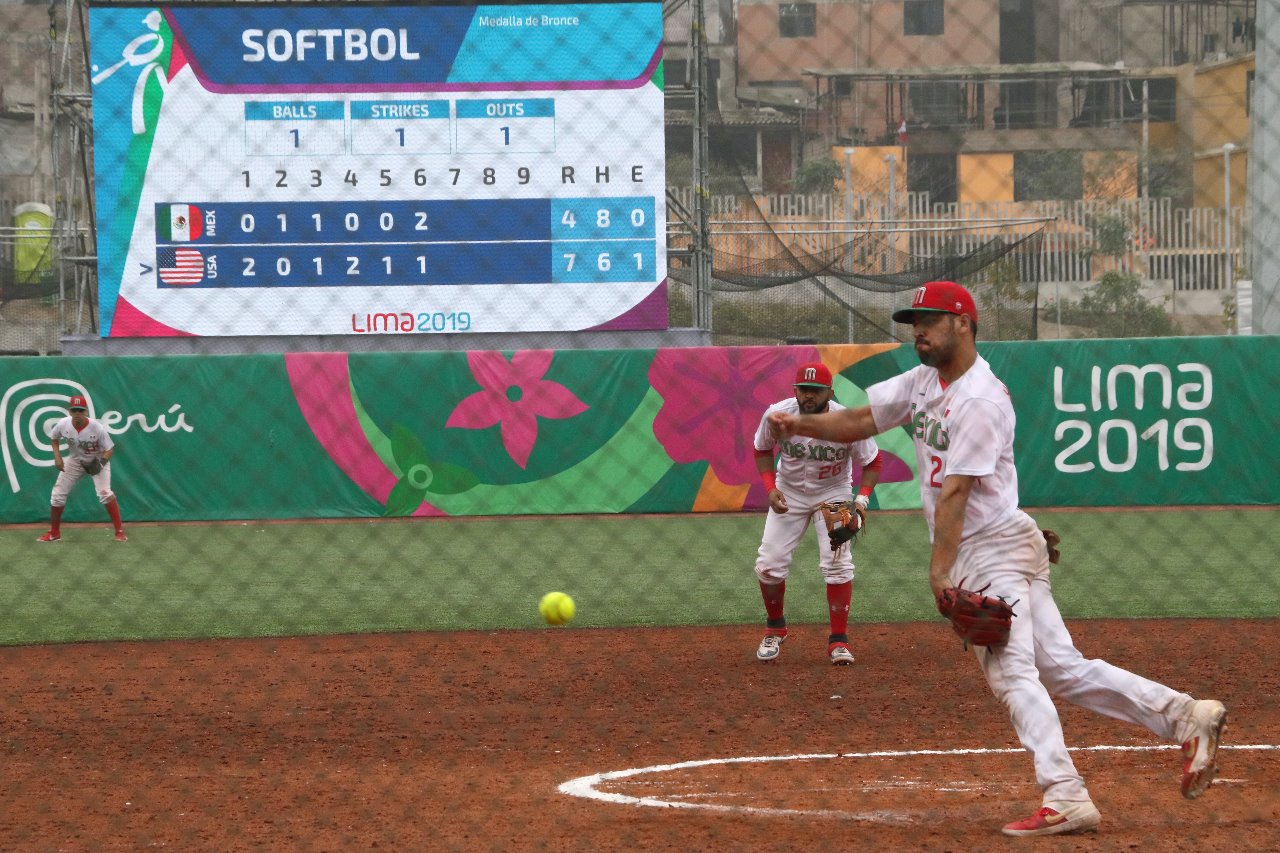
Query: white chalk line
pixel 585 786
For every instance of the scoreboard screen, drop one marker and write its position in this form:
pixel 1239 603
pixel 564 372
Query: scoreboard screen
pixel 330 170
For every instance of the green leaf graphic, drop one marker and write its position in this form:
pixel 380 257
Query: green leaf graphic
pixel 448 479
pixel 403 500
pixel 407 449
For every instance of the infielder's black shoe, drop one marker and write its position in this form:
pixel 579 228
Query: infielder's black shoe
pixel 771 645
pixel 840 654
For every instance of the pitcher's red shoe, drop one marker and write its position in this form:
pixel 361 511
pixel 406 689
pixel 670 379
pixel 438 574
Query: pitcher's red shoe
pixel 50 537
pixel 1057 818
pixel 1200 746
pixel 120 537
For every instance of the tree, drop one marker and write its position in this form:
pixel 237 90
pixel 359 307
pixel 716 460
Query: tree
pixel 1117 309
pixel 1114 307
pixel 818 175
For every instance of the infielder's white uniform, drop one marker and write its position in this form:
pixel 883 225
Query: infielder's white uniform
pixel 90 442
pixel 967 428
pixel 810 473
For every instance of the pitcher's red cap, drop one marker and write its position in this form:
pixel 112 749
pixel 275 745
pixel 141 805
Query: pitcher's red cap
pixel 77 402
pixel 814 373
pixel 944 296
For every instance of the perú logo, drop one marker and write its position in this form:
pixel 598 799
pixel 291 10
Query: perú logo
pixel 29 409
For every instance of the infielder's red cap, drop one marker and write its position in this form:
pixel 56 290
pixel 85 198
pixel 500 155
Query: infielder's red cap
pixel 77 402
pixel 943 296
pixel 814 373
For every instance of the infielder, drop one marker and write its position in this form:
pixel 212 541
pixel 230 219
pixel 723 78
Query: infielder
pixel 963 421
pixel 811 474
pixel 90 449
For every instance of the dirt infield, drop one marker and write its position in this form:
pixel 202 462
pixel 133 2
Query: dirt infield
pixel 463 742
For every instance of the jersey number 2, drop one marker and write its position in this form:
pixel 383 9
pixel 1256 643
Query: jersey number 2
pixel 935 475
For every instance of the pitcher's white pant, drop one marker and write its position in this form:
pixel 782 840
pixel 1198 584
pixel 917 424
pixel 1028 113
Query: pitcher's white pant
pixel 71 473
pixel 783 532
pixel 1041 660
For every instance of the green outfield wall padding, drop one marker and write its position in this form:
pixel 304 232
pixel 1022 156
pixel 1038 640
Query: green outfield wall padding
pixel 1179 421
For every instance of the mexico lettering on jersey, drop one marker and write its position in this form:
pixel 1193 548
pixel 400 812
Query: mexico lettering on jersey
pixel 93 440
pixel 966 428
pixel 810 466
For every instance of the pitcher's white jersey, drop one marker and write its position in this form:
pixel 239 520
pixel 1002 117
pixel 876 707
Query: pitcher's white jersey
pixel 812 467
pixel 85 443
pixel 965 428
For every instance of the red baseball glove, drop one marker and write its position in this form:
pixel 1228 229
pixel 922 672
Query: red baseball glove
pixel 978 619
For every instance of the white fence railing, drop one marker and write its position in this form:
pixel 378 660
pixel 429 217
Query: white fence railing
pixel 1186 247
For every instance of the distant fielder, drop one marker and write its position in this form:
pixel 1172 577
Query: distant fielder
pixel 90 449
pixel 812 482
pixel 962 422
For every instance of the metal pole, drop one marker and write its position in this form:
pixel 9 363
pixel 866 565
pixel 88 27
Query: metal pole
pixel 891 220
pixel 893 186
pixel 1228 272
pixel 1146 141
pixel 701 191
pixel 848 215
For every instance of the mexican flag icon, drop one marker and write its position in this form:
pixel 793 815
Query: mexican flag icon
pixel 178 223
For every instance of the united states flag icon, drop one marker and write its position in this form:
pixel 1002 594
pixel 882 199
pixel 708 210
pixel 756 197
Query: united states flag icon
pixel 180 266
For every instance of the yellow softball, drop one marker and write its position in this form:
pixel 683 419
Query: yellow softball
pixel 557 608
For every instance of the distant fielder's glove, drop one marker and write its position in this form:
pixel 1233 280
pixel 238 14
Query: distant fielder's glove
pixel 979 620
pixel 91 465
pixel 844 521
pixel 1052 541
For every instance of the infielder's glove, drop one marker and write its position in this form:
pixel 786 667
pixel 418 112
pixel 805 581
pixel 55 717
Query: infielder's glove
pixel 978 619
pixel 91 465
pixel 844 521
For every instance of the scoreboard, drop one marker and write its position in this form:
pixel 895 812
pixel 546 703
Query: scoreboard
pixel 313 170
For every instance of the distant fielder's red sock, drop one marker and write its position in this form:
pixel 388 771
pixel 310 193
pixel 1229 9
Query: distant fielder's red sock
pixel 113 510
pixel 773 594
pixel 55 520
pixel 838 597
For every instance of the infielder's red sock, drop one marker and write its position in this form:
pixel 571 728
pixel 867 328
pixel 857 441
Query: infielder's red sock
pixel 773 594
pixel 55 520
pixel 838 597
pixel 113 510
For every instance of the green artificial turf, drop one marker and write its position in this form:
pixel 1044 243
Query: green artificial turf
pixel 254 579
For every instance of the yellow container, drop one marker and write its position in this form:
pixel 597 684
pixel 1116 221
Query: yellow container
pixel 33 245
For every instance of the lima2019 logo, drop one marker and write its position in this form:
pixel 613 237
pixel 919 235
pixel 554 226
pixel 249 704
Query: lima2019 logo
pixel 29 409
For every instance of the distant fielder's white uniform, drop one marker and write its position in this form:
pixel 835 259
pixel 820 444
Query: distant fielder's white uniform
pixel 967 428
pixel 810 473
pixel 82 444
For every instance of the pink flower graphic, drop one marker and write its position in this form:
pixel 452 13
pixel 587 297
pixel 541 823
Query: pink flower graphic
pixel 514 394
pixel 713 400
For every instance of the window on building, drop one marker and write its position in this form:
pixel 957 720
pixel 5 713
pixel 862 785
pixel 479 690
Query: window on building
pixel 1048 176
pixel 1162 99
pixel 922 17
pixel 680 98
pixel 797 20
pixel 936 103
pixel 934 174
